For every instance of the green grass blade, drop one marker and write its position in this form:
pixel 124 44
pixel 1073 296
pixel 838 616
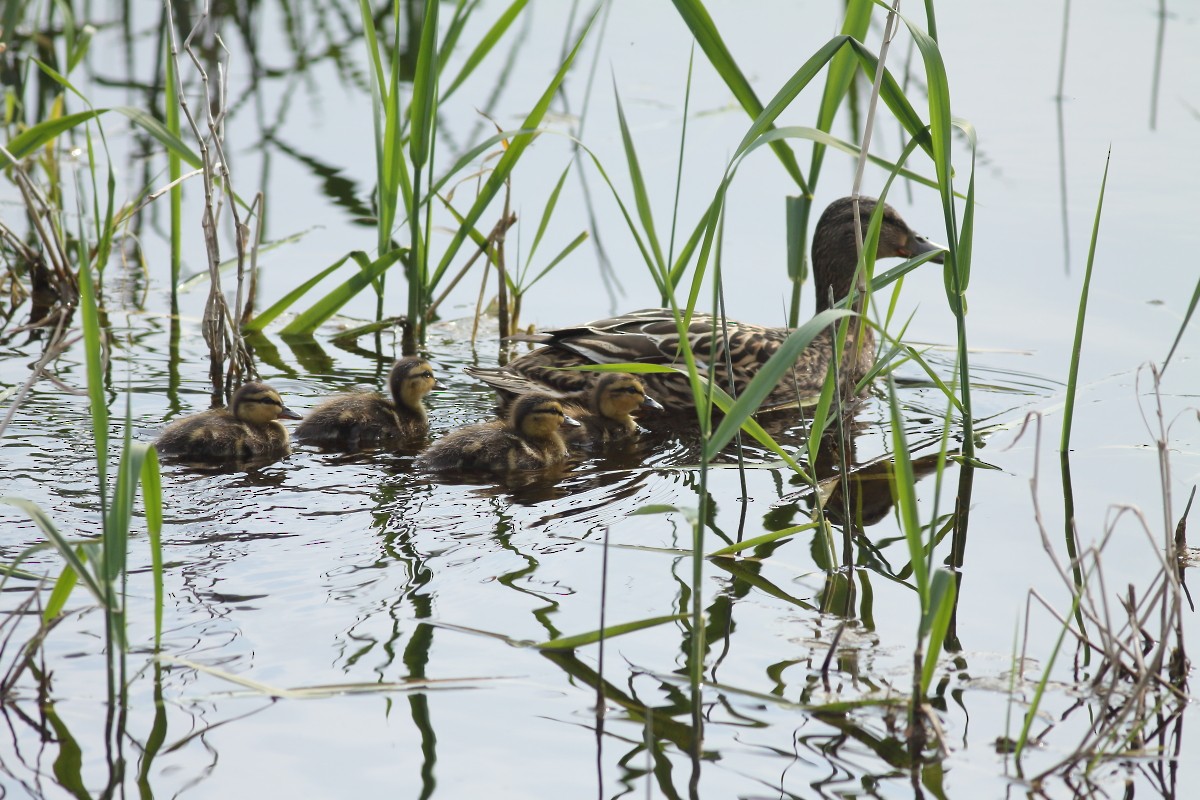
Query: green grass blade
pixel 840 75
pixel 768 376
pixel 1187 318
pixel 29 140
pixel 905 494
pixel 1081 316
pixel 424 101
pixel 65 549
pixel 95 350
pixel 509 159
pixel 121 510
pixel 152 503
pixel 266 317
pixel 554 262
pixel 551 203
pixel 591 637
pixel 485 45
pixel 936 621
pixel 766 538
pixel 697 18
pixel 640 196
pixel 308 321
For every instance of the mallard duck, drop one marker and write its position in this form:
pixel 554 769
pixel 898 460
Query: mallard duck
pixel 364 419
pixel 607 417
pixel 528 439
pixel 248 429
pixel 650 336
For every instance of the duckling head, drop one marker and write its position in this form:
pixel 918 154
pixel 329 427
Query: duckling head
pixel 410 380
pixel 835 252
pixel 259 404
pixel 617 394
pixel 538 416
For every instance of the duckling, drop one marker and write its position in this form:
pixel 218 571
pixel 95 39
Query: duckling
pixel 248 429
pixel 529 439
pixel 650 336
pixel 365 419
pixel 615 396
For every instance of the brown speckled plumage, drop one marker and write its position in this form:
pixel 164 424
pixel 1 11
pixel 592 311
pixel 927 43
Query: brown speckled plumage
pixel 528 439
pixel 651 336
pixel 249 429
pixel 368 419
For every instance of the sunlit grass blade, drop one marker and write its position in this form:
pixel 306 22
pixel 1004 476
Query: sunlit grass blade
pixel 1187 318
pixel 554 262
pixel 36 136
pixel 905 495
pixel 267 316
pixel 94 349
pixel 152 505
pixel 839 77
pixel 308 321
pixel 591 637
pixel 65 547
pixel 547 213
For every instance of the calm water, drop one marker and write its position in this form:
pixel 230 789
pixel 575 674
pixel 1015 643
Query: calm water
pixel 405 601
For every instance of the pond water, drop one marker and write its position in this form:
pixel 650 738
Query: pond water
pixel 347 626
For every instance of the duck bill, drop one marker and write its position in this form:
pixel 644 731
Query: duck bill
pixel 650 402
pixel 571 421
pixel 918 245
pixel 439 385
pixel 287 413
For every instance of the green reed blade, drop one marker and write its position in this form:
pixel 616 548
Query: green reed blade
pixel 152 505
pixel 547 212
pixel 820 416
pixel 165 136
pixel 770 374
pixel 697 18
pixel 95 350
pixel 174 169
pixel 839 77
pixel 827 140
pixel 640 196
pixel 685 253
pixel 591 637
pixel 554 262
pixel 309 320
pixel 893 97
pixel 129 471
pixel 1081 316
pixel 29 140
pixel 65 548
pixel 267 316
pixel 936 621
pixel 485 45
pixel 509 159
pixel 766 538
pixel 1187 318
pixel 905 494
pixel 423 109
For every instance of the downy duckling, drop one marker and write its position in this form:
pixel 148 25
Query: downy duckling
pixel 614 397
pixel 739 349
pixel 249 428
pixel 366 419
pixel 529 439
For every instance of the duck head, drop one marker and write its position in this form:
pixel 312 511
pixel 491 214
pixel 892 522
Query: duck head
pixel 617 394
pixel 259 404
pixel 835 251
pixel 410 380
pixel 538 416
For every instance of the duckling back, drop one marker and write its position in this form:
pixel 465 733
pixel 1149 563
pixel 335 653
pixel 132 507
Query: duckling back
pixel 248 429
pixel 367 419
pixel 529 439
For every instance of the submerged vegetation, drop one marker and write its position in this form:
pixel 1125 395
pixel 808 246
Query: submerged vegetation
pixel 99 226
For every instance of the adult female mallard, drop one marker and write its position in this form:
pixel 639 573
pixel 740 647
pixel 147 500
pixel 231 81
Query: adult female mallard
pixel 529 439
pixel 650 336
pixel 608 416
pixel 366 419
pixel 248 429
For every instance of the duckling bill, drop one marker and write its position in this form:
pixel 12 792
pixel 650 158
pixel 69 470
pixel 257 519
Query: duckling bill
pixel 368 419
pixel 248 429
pixel 529 439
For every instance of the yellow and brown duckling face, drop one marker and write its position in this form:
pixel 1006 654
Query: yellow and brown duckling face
pixel 259 404
pixel 411 379
pixel 618 394
pixel 538 416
